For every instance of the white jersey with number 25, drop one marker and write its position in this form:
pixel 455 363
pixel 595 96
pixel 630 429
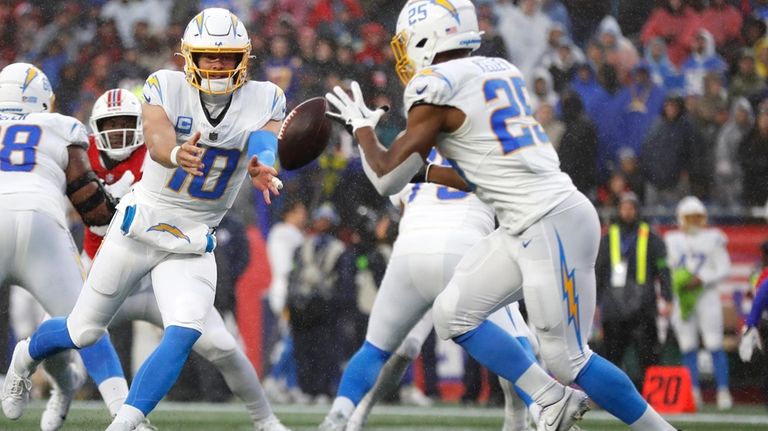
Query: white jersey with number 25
pixel 500 150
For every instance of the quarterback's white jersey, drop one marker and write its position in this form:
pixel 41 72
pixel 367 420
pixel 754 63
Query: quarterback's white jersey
pixel 33 161
pixel 207 198
pixel 500 150
pixel 703 253
pixel 431 210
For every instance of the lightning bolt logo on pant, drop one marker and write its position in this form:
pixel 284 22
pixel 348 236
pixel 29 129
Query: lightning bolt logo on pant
pixel 568 283
pixel 169 229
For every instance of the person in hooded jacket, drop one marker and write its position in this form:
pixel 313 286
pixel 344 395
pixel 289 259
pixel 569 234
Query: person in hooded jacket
pixel 578 146
pixel 663 72
pixel 746 82
pixel 665 155
pixel 619 51
pixel 728 173
pixel 541 89
pixel 753 157
pixel 671 22
pixel 702 60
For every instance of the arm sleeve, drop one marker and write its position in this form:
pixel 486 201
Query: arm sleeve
pixel 759 305
pixel 722 261
pixel 397 179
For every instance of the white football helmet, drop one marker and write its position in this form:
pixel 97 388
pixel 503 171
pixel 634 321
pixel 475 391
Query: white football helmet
pixel 117 143
pixel 215 30
pixel 689 206
pixel 428 27
pixel 25 89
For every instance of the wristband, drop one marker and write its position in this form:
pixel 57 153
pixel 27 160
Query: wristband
pixel 174 153
pixel 426 172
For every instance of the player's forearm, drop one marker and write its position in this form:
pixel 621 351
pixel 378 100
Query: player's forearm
pixel 387 181
pixel 378 158
pixel 160 145
pixel 446 176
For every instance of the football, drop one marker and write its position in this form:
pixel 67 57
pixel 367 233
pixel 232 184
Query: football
pixel 304 134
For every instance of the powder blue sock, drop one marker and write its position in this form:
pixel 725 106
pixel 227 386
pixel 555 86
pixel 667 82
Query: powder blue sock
pixel 690 360
pixel 50 338
pixel 161 369
pixel 611 389
pixel 101 361
pixel 496 350
pixel 361 372
pixel 720 364
pixel 529 350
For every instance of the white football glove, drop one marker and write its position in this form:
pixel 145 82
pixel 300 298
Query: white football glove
pixel 353 113
pixel 122 186
pixel 749 340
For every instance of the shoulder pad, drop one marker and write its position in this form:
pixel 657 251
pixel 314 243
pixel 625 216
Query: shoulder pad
pixel 155 86
pixel 431 86
pixel 278 104
pixel 69 128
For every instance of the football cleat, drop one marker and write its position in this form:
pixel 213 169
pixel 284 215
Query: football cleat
pixel 16 387
pixel 562 415
pixel 334 422
pixel 61 398
pixel 411 395
pixel 145 426
pixel 724 399
pixel 271 424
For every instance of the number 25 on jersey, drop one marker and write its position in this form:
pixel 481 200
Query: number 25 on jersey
pixel 512 134
pixel 18 146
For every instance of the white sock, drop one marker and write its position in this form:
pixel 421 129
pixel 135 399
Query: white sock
pixel 129 414
pixel 242 380
pixel 343 406
pixel 651 421
pixel 540 386
pixel 514 408
pixel 535 412
pixel 114 391
pixel 25 365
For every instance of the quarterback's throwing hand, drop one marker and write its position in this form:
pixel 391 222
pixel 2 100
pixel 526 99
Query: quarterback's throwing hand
pixel 189 156
pixel 353 114
pixel 264 179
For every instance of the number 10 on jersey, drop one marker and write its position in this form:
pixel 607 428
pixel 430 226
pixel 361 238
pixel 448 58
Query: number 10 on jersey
pixel 512 135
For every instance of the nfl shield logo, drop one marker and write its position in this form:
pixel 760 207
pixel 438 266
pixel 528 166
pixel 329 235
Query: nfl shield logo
pixel 213 136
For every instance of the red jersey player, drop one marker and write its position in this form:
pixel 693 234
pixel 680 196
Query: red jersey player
pixel 116 149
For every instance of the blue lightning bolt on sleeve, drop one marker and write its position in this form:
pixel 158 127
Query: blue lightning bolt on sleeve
pixel 263 144
pixel 760 304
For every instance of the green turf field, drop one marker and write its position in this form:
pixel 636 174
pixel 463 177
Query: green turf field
pixel 87 416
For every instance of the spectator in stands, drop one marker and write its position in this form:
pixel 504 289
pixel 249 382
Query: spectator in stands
pixel 585 17
pixel 709 115
pixel 493 44
pixel 375 48
pixel 329 13
pixel 728 173
pixel 562 62
pixel 578 146
pixel 703 59
pixel 557 13
pixel 593 96
pixel 637 107
pixel 524 29
pixel 671 22
pixel 665 155
pixel 307 42
pixel 746 82
pixel 608 194
pixel 629 167
pixel 723 21
pixel 619 51
pixel 541 89
pixel 632 15
pixel 554 128
pixel 753 155
pixel 282 67
pixel 663 72
pixel 631 262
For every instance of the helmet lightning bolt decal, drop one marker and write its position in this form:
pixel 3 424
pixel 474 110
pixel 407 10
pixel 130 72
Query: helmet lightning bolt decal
pixel 31 74
pixel 568 281
pixel 447 5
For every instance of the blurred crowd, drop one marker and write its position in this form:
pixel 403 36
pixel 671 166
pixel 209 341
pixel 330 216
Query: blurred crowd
pixel 662 98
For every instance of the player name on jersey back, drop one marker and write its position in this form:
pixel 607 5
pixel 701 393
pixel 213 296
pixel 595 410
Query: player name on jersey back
pixel 501 150
pixel 33 161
